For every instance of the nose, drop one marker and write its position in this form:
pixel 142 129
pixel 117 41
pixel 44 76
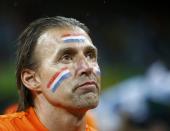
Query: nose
pixel 83 67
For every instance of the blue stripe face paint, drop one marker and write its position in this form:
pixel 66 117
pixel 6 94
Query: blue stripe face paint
pixel 97 71
pixel 58 78
pixel 74 39
pixel 71 40
pixel 57 84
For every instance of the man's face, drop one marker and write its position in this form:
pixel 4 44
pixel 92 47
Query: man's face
pixel 69 72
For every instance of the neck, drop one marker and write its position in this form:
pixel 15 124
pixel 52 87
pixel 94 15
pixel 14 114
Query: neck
pixel 57 117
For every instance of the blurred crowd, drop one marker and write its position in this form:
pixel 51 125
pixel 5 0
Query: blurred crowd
pixel 142 102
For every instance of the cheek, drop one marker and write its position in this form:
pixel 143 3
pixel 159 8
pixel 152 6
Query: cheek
pixel 58 78
pixel 53 98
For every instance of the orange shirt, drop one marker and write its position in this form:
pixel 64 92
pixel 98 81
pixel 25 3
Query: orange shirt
pixel 90 120
pixel 25 121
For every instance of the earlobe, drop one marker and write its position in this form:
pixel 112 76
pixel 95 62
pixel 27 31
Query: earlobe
pixel 30 79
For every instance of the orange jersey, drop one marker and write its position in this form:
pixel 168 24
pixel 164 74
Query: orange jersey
pixel 25 121
pixel 90 120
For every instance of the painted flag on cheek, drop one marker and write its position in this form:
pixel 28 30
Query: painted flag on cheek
pixel 97 71
pixel 74 39
pixel 58 78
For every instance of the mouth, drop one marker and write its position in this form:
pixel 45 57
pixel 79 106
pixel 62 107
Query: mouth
pixel 87 86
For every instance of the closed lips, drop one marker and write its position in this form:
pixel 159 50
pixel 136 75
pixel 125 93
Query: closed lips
pixel 88 83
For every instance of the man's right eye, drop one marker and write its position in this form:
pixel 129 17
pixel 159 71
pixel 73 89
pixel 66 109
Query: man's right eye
pixel 66 58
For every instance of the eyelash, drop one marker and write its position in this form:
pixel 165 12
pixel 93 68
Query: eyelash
pixel 66 58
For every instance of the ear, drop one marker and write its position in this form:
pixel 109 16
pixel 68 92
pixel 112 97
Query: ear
pixel 30 79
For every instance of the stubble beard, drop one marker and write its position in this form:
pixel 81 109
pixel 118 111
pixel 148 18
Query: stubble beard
pixel 86 101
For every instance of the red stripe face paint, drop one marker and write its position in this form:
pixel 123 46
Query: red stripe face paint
pixel 73 38
pixel 58 78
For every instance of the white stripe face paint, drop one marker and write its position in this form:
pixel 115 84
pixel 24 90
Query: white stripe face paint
pixel 74 39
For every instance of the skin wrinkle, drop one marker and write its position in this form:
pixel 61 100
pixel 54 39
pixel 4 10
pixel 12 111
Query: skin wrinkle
pixel 82 80
pixel 47 38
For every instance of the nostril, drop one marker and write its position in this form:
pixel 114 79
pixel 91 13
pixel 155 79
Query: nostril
pixel 86 71
pixel 83 73
pixel 83 67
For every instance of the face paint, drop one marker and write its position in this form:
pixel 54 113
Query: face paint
pixel 97 71
pixel 72 38
pixel 58 78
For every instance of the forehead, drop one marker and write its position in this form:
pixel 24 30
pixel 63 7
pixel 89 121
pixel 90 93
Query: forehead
pixel 54 39
pixel 63 36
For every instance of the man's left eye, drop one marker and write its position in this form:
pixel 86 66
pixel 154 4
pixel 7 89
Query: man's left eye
pixel 91 56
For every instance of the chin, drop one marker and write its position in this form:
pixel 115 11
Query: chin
pixel 94 105
pixel 88 101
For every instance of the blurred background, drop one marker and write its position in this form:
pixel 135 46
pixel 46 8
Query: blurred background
pixel 133 42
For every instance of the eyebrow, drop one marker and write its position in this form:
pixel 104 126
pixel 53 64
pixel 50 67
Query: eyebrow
pixel 65 50
pixel 91 48
pixel 72 50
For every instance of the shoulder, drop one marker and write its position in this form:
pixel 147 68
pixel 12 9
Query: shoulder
pixel 21 121
pixel 9 121
pixel 11 116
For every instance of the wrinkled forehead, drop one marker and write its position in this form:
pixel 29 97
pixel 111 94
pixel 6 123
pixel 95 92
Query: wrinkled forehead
pixel 65 36
pixel 53 40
